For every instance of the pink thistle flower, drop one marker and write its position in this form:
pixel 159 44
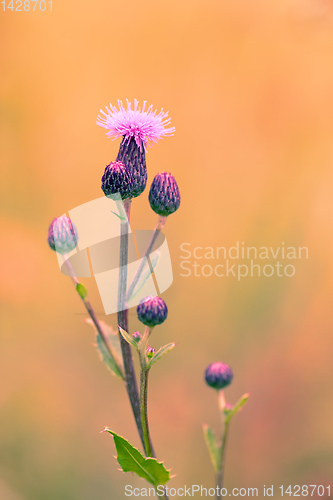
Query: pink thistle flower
pixel 145 126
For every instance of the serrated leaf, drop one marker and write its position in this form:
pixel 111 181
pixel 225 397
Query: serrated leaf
pixel 112 357
pixel 158 354
pixel 131 460
pixel 128 337
pixel 236 408
pixel 212 446
pixel 81 290
pixel 145 275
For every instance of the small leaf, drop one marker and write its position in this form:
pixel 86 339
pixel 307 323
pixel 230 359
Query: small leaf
pixel 121 217
pixel 212 446
pixel 112 357
pixel 81 290
pixel 108 359
pixel 236 408
pixel 128 337
pixel 131 460
pixel 158 354
pixel 145 275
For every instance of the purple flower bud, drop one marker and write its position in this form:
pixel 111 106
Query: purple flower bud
pixel 164 196
pixel 150 352
pixel 117 179
pixel 152 311
pixel 134 157
pixel 62 235
pixel 218 375
pixel 137 336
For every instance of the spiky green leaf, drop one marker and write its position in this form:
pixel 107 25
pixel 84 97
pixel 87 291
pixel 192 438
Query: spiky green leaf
pixel 131 460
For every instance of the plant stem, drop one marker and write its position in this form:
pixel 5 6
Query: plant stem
pixel 225 424
pixel 220 473
pixel 159 226
pixel 88 306
pixel 144 370
pixel 122 316
pixel 143 404
pixel 144 413
pixel 138 403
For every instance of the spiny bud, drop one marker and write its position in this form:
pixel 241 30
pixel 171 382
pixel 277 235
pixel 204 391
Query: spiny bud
pixel 137 336
pixel 218 375
pixel 117 179
pixel 152 311
pixel 150 352
pixel 164 196
pixel 134 157
pixel 62 235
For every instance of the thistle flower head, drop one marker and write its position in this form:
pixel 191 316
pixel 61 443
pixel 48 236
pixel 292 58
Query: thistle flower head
pixel 117 179
pixel 218 375
pixel 62 235
pixel 152 311
pixel 164 196
pixel 145 125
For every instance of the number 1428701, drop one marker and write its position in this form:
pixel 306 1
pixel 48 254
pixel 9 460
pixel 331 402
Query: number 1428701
pixel 26 5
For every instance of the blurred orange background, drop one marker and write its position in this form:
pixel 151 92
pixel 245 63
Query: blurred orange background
pixel 249 88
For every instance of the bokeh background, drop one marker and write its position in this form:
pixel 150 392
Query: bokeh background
pixel 249 87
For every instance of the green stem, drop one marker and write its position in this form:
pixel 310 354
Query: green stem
pixel 159 226
pixel 221 463
pixel 144 414
pixel 130 378
pixel 138 403
pixel 143 402
pixel 220 473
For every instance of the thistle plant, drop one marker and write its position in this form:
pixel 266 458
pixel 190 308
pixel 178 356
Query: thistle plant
pixel 219 376
pixel 123 180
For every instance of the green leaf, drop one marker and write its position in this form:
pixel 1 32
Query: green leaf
pixel 121 217
pixel 212 446
pixel 112 357
pixel 131 460
pixel 158 354
pixel 128 337
pixel 145 274
pixel 236 408
pixel 120 206
pixel 81 290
